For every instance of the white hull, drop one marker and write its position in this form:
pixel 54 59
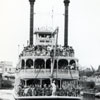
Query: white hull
pixel 46 97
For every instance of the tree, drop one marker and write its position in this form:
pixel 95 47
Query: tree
pixel 98 68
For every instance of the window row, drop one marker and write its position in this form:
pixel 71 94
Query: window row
pixel 42 64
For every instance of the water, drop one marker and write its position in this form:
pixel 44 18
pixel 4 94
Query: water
pixel 7 95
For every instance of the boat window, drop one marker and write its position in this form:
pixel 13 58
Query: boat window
pixel 57 82
pixel 9 69
pixel 63 64
pixel 22 83
pixel 45 82
pixel 6 69
pixel 72 64
pixel 47 41
pixel 22 64
pixel 67 84
pixel 33 82
pixel 72 61
pixel 55 64
pixel 29 63
pixel 48 64
pixel 41 40
pixel 39 63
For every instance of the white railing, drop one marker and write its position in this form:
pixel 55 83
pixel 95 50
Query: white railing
pixel 45 73
pixel 35 73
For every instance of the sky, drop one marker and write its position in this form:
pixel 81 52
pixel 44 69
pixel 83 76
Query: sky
pixel 84 27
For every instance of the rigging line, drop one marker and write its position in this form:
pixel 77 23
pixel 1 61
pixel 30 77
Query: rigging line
pixel 56 49
pixel 53 58
pixel 38 73
pixel 52 16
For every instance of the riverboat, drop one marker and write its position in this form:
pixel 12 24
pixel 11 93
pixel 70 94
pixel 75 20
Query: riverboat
pixel 46 62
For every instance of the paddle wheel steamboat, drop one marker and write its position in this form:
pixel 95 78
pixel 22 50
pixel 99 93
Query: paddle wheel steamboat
pixel 44 62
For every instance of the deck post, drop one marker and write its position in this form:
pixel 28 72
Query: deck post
pixel 60 82
pixel 25 83
pixel 41 82
pixel 45 64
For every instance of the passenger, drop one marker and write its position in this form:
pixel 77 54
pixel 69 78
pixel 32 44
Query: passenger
pixel 22 92
pixel 48 90
pixel 66 92
pixel 57 91
pixel 19 90
pixel 61 92
pixel 39 90
pixel 36 89
pixel 30 91
pixel 53 88
pixel 33 90
pixel 44 89
pixel 26 91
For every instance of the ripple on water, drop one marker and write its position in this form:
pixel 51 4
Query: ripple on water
pixel 6 95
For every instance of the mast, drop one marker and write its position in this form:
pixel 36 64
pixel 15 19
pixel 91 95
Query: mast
pixel 66 3
pixel 54 55
pixel 31 20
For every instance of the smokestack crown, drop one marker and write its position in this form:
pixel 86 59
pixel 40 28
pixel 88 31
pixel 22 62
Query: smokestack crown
pixel 31 1
pixel 66 2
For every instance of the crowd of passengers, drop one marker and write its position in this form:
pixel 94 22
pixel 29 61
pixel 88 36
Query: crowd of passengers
pixel 69 89
pixel 39 50
pixel 63 68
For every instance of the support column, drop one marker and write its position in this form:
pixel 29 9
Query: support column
pixel 0 80
pixel 60 82
pixel 41 82
pixel 25 64
pixel 57 69
pixel 33 64
pixel 45 64
pixel 25 83
pixel 66 3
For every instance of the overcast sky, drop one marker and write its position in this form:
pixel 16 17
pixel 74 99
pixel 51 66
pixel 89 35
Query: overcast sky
pixel 84 27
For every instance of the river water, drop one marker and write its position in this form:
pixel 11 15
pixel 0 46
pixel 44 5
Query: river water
pixel 7 95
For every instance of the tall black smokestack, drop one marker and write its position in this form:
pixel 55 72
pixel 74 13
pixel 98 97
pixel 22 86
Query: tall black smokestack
pixel 66 3
pixel 31 20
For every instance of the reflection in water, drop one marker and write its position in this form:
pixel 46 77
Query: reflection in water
pixel 6 95
pixel 88 98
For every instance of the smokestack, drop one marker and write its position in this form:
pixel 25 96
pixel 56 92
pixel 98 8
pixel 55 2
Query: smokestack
pixel 31 20
pixel 66 3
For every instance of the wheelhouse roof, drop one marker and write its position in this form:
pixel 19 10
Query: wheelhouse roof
pixel 44 32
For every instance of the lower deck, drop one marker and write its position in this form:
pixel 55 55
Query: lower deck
pixel 48 98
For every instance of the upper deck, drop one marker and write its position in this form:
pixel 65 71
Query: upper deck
pixel 38 59
pixel 42 50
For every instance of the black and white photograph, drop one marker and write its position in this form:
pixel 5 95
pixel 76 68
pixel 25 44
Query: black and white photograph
pixel 50 49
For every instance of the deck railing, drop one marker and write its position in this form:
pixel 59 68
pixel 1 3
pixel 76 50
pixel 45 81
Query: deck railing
pixel 45 73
